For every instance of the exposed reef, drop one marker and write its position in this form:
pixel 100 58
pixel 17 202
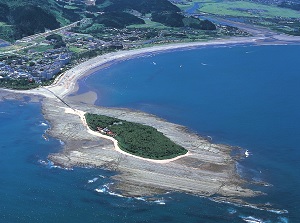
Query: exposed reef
pixel 208 169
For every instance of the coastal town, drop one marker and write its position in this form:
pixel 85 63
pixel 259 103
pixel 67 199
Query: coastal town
pixel 46 59
pixel 37 59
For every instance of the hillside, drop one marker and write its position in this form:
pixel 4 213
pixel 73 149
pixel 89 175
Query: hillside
pixel 22 18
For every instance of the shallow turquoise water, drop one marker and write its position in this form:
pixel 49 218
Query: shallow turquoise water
pixel 243 96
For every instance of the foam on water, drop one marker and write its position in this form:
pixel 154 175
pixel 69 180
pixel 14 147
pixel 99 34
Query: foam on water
pixel 43 124
pixel 231 210
pixel 251 219
pixel 93 180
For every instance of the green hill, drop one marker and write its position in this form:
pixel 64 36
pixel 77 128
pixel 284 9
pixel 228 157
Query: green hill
pixel 20 18
pixel 27 17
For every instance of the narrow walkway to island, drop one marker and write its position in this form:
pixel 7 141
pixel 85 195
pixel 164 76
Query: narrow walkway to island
pixel 81 114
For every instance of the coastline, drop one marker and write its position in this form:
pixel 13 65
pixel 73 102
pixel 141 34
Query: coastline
pixel 208 169
pixel 66 83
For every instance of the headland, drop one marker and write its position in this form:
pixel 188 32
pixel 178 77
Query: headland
pixel 206 170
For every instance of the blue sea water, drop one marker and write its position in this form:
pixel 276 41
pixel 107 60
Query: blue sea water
pixel 243 96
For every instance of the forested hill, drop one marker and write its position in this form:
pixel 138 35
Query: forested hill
pixel 142 6
pixel 19 18
pixel 27 17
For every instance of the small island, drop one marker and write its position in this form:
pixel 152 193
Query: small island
pixel 134 138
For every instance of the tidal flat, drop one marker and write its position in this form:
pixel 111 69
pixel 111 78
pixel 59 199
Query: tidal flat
pixel 208 170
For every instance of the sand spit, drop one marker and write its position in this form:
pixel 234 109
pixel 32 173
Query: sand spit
pixel 207 170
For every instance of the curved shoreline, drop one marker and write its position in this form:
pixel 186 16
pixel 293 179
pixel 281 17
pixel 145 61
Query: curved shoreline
pixel 66 83
pixel 207 170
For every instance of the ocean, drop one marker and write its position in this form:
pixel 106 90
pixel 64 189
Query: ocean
pixel 246 96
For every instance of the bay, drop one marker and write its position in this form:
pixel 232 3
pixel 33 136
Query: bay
pixel 244 96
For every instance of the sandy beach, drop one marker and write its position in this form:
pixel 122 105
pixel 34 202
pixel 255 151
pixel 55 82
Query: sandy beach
pixel 66 83
pixel 206 170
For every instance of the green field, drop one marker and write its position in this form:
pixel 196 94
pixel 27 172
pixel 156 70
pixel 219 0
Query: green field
pixel 149 24
pixel 137 139
pixel 41 48
pixel 247 9
pixel 76 49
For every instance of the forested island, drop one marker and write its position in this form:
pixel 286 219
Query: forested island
pixel 134 138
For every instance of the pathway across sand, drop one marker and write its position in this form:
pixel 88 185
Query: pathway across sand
pixel 81 114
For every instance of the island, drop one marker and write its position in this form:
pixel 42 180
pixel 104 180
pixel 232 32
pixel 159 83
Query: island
pixel 134 138
pixel 148 154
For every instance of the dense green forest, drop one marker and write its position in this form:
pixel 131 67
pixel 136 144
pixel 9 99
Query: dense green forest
pixel 142 6
pixel 137 139
pixel 118 19
pixel 26 17
pixel 57 40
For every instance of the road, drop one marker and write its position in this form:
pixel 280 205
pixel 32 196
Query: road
pixel 30 39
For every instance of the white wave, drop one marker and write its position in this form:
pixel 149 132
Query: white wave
pixel 283 220
pixel 231 210
pixel 247 153
pixel 93 180
pixel 251 219
pixel 204 64
pixel 50 165
pixel 160 201
pixel 140 198
pixel 115 194
pixel 276 211
pixel 43 124
pixel 100 190
pixel 102 176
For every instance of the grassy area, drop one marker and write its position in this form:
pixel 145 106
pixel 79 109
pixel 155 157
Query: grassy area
pixel 41 48
pixel 149 24
pixel 247 9
pixel 137 139
pixel 76 49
